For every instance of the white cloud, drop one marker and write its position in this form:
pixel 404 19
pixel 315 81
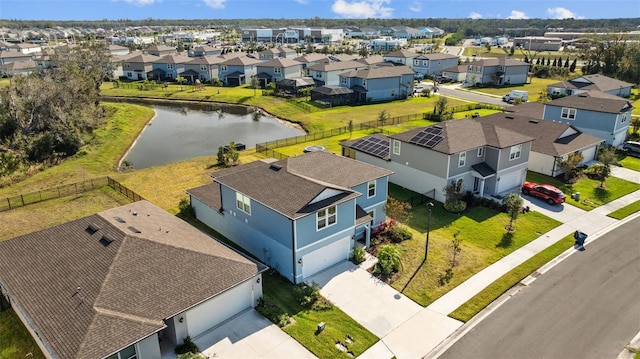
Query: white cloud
pixel 141 2
pixel 561 13
pixel 303 2
pixel 515 14
pixel 475 15
pixel 362 8
pixel 215 4
pixel 415 6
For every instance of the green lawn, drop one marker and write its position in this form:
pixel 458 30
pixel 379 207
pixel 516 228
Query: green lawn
pixel 15 340
pixel 625 211
pixel 338 325
pixel 591 194
pixel 517 54
pixel 481 300
pixel 534 88
pixel 485 241
pixel 630 162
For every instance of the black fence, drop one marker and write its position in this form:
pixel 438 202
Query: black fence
pixel 71 189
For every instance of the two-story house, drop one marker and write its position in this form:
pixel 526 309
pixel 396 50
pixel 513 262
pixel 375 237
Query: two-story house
pixel 299 215
pixel 328 73
pixel 310 60
pixel 379 83
pixel 596 113
pixel 205 50
pixel 586 83
pixel 168 67
pixel 404 57
pixel 237 70
pixel 160 50
pixel 136 65
pixel 203 68
pixel 489 160
pixel 498 71
pixel 277 52
pixel 278 69
pixel 433 64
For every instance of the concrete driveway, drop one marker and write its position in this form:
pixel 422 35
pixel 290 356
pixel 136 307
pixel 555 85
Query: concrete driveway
pixel 250 335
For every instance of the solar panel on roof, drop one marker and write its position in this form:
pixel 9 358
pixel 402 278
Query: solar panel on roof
pixel 372 146
pixel 428 137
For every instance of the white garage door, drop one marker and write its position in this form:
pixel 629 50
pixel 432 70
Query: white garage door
pixel 325 257
pixel 589 154
pixel 213 312
pixel 509 181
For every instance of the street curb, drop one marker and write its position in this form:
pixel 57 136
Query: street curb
pixel 497 303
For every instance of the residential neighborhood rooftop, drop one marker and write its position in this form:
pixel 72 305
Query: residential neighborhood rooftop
pixel 593 101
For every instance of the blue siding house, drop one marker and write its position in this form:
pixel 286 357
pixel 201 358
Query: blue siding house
pixel 586 83
pixel 238 70
pixel 379 83
pixel 298 215
pixel 433 64
pixel 596 113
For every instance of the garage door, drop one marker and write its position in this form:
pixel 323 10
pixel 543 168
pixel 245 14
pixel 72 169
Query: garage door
pixel 589 154
pixel 213 312
pixel 509 181
pixel 325 257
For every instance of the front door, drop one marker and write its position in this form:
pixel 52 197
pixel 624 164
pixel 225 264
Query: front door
pixel 476 184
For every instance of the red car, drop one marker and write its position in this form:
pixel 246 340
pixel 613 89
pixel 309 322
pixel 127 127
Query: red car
pixel 547 192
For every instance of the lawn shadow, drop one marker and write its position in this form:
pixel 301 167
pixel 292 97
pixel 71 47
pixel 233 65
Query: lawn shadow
pixel 601 194
pixel 506 241
pixel 244 99
pixel 412 276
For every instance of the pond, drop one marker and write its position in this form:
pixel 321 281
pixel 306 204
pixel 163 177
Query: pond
pixel 187 131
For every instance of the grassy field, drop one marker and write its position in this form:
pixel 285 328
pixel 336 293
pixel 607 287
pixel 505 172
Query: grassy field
pixel 534 88
pixel 630 162
pixel 625 211
pixel 517 54
pixel 591 194
pixel 481 300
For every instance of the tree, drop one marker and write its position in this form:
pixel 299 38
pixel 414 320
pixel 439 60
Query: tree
pixel 635 124
pixel 441 105
pixel 389 259
pixel 456 248
pixel 228 155
pixel 566 63
pixel 513 203
pixel 398 210
pixel 607 157
pixel 180 80
pixel 255 83
pixel 488 46
pixel 350 126
pixel 570 164
pixel 453 196
pixel 383 116
pixel 572 67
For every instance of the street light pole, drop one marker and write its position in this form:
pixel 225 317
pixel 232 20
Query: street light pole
pixel 426 248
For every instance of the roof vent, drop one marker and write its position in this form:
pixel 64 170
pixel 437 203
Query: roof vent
pixel 582 95
pixel 509 117
pixel 92 228
pixel 134 229
pixel 118 219
pixel 106 240
pixel 533 121
pixel 437 126
pixel 275 167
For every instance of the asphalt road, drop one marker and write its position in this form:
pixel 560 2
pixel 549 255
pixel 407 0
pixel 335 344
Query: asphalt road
pixel 588 306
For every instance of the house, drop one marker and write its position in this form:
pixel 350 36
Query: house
pixel 7 57
pixel 136 65
pixel 18 68
pixel 489 160
pixel 168 67
pixel 278 69
pixel 160 50
pixel 277 52
pixel 25 48
pixel 457 73
pixel 372 60
pixel 237 70
pixel 538 43
pixel 433 64
pixel 498 71
pixel 128 282
pixel 299 215
pixel 585 83
pixel 403 57
pixel 406 32
pixel 205 50
pixel 553 141
pixel 379 83
pixel 596 113
pixel 329 73
pixel 117 50
pixel 203 68
pixel 310 60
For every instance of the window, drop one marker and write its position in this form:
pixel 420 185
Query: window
pixel 624 116
pixel 462 159
pixel 480 151
pixel 416 62
pixel 326 217
pixel 277 70
pixel 203 68
pixel 516 151
pixel 371 189
pixel 223 68
pixel 243 203
pixel 127 65
pixel 126 353
pixel 364 83
pixel 170 66
pixel 396 147
pixel 343 80
pixel 568 113
pixel 129 74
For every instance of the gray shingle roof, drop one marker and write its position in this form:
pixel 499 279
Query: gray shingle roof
pixel 593 82
pixel 337 65
pixel 280 62
pixel 550 138
pixel 289 186
pixel 153 269
pixel 593 101
pixel 241 61
pixel 379 72
pixel 463 135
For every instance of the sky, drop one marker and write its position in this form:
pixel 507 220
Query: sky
pixel 305 9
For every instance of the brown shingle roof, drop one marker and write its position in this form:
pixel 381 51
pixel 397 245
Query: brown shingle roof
pixel 280 62
pixel 403 54
pixel 379 72
pixel 337 65
pixel 312 57
pixel 550 138
pixel 241 61
pixel 527 109
pixel 438 56
pixel 173 59
pixel 152 270
pixel 593 82
pixel 462 135
pixel 593 101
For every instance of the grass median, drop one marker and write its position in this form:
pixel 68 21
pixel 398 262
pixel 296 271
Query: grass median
pixel 625 211
pixel 481 300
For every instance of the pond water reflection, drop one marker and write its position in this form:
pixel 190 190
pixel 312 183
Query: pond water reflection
pixel 182 132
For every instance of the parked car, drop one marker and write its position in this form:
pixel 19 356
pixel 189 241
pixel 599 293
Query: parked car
pixel 418 76
pixel 443 79
pixel 417 90
pixel 515 94
pixel 546 192
pixel 632 147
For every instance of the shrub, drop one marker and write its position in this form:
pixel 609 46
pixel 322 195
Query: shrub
pixel 398 233
pixel 273 312
pixel 455 206
pixel 307 295
pixel 188 346
pixel 358 255
pixel 388 259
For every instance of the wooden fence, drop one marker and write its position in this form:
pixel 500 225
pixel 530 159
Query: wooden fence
pixel 71 189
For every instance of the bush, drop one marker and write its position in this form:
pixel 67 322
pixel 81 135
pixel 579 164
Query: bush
pixel 398 233
pixel 456 206
pixel 358 255
pixel 307 295
pixel 273 312
pixel 388 259
pixel 187 347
